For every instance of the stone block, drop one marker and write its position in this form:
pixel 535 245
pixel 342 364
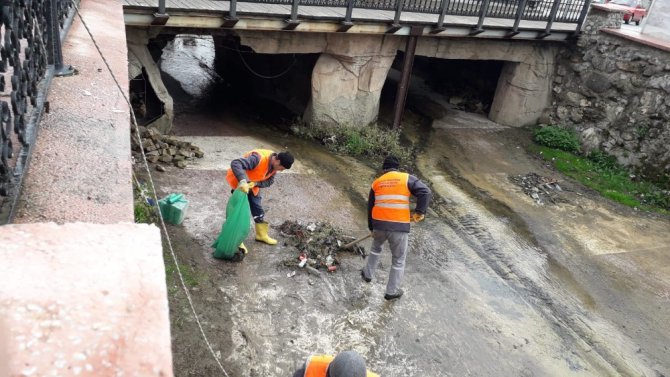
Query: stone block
pixel 84 299
pixel 597 82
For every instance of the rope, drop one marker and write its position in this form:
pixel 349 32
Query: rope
pixel 263 76
pixel 153 192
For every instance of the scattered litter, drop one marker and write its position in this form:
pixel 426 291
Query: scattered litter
pixel 541 189
pixel 290 274
pixel 315 246
pixel 313 270
pixel 87 93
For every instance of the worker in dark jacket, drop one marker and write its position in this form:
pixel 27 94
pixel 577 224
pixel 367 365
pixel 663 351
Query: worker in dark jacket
pixel 345 364
pixel 389 220
pixel 256 170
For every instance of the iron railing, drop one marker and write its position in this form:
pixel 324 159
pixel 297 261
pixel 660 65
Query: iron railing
pixel 569 11
pixel 32 32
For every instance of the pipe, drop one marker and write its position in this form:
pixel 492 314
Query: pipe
pixel 403 86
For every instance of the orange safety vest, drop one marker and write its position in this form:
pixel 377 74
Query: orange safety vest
pixel 257 174
pixel 391 198
pixel 317 366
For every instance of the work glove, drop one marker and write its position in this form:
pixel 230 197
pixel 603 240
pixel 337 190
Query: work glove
pixel 244 186
pixel 416 217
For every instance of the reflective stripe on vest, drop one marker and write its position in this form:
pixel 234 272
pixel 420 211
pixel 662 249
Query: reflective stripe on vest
pixel 257 174
pixel 317 366
pixel 391 198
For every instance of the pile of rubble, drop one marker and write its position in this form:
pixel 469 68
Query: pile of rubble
pixel 541 189
pixel 316 246
pixel 469 104
pixel 165 149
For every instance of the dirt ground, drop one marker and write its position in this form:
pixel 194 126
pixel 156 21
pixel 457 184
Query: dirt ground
pixel 610 261
pixel 495 283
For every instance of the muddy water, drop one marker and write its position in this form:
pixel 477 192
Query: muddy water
pixel 495 285
pixel 583 290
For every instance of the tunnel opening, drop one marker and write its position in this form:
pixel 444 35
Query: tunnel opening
pixel 216 74
pixel 273 87
pixel 438 85
pixel 146 104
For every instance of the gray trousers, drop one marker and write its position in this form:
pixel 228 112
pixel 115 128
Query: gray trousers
pixel 398 244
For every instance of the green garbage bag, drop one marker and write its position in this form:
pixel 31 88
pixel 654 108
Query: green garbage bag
pixel 236 227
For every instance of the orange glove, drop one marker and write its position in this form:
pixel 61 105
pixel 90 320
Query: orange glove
pixel 416 217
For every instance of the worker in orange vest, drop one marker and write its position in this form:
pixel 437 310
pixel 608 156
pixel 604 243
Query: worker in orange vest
pixel 256 170
pixel 345 364
pixel 389 219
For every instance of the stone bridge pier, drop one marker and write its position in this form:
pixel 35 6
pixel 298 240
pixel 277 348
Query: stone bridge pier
pixel 350 72
pixel 348 77
pixel 140 61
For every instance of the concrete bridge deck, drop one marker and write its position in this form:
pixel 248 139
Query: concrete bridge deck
pixel 210 14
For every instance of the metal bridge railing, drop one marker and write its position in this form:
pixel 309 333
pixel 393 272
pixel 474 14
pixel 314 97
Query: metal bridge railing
pixel 569 11
pixel 30 55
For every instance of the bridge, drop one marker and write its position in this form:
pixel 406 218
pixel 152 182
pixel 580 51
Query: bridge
pixel 503 30
pixel 358 41
pixel 519 19
pixel 44 289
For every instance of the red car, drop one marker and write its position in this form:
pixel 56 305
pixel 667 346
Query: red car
pixel 632 10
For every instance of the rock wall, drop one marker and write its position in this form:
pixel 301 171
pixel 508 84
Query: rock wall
pixel 616 93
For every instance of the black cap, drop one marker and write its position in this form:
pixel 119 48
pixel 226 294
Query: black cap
pixel 391 162
pixel 285 159
pixel 347 364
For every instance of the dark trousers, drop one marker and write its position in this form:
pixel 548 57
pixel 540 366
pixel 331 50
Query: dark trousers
pixel 255 205
pixel 256 208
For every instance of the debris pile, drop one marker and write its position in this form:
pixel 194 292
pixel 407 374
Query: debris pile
pixel 316 246
pixel 469 104
pixel 165 149
pixel 541 189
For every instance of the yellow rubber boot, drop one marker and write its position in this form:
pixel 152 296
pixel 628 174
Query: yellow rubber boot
pixel 239 254
pixel 262 234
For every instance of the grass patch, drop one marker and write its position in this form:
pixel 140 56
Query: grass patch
pixel 601 173
pixel 556 137
pixel 373 141
pixel 190 275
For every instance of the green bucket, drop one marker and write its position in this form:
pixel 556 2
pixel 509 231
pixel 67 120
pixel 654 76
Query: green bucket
pixel 173 208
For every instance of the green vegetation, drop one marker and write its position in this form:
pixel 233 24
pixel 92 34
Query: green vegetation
pixel 144 213
pixel 190 275
pixel 598 171
pixel 371 141
pixel 557 137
